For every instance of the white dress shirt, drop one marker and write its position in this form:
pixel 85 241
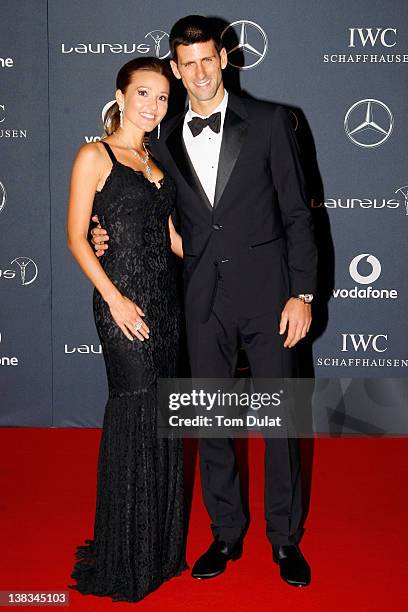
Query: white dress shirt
pixel 204 149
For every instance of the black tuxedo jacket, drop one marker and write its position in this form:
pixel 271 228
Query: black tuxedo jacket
pixel 259 232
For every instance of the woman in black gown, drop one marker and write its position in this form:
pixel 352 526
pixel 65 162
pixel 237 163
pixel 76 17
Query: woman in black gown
pixel 138 530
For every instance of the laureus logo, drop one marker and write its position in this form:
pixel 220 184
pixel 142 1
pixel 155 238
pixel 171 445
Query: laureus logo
pixel 404 192
pixel 373 203
pixel 246 43
pixel 83 349
pixel 161 43
pixel 158 39
pixel 27 268
pixel 368 123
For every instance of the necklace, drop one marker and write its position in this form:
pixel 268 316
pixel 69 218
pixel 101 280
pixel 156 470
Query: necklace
pixel 144 159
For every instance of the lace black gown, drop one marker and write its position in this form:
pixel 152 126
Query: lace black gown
pixel 138 530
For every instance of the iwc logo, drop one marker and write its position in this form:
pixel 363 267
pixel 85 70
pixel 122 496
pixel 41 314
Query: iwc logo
pixel 363 350
pixel 369 46
pixel 5 130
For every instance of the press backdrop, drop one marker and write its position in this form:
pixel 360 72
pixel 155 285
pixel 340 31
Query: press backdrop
pixel 340 67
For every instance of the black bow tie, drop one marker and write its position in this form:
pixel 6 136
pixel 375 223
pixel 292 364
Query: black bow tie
pixel 197 124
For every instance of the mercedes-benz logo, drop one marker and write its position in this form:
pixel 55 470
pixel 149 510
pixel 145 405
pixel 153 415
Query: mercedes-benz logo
pixel 158 36
pixel 368 123
pixel 3 196
pixel 252 44
pixel 368 278
pixel 404 191
pixel 28 269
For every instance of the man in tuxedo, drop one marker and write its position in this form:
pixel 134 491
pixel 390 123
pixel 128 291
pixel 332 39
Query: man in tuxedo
pixel 249 273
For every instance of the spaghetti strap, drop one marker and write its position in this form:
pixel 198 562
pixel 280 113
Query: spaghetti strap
pixel 110 152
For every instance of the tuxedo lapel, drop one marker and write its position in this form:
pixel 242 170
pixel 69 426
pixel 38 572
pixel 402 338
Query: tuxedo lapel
pixel 232 140
pixel 178 151
pixel 234 131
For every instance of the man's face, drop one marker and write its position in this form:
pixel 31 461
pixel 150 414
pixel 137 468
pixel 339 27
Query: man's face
pixel 200 66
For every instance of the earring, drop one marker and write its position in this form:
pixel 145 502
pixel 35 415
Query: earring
pixel 158 131
pixel 121 117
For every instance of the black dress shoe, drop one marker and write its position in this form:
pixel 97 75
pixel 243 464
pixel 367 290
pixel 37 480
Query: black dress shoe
pixel 214 561
pixel 294 569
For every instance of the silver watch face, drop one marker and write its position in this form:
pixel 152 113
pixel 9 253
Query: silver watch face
pixel 306 297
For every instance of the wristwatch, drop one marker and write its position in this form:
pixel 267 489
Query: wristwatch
pixel 307 298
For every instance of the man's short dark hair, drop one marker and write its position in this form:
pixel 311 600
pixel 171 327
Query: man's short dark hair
pixel 194 29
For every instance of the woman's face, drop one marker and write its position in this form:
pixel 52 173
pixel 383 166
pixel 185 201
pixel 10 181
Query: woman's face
pixel 146 99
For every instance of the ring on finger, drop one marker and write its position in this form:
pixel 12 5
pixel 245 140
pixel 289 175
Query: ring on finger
pixel 137 325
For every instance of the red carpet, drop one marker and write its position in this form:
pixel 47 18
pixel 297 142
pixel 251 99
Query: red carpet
pixel 355 538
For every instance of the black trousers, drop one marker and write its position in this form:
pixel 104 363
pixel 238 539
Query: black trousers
pixel 213 348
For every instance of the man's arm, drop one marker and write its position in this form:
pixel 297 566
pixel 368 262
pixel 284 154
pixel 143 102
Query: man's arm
pixel 289 182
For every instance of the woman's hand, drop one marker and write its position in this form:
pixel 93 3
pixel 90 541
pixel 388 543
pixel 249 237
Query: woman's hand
pixel 126 314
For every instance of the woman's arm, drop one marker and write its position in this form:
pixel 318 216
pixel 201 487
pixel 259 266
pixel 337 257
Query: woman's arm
pixel 86 173
pixel 176 240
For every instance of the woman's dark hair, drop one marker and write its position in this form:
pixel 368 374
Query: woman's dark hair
pixel 193 29
pixel 123 79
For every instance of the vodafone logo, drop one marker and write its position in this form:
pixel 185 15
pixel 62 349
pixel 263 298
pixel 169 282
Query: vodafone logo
pixel 6 62
pixel 7 360
pixel 106 108
pixel 365 269
pixel 368 278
